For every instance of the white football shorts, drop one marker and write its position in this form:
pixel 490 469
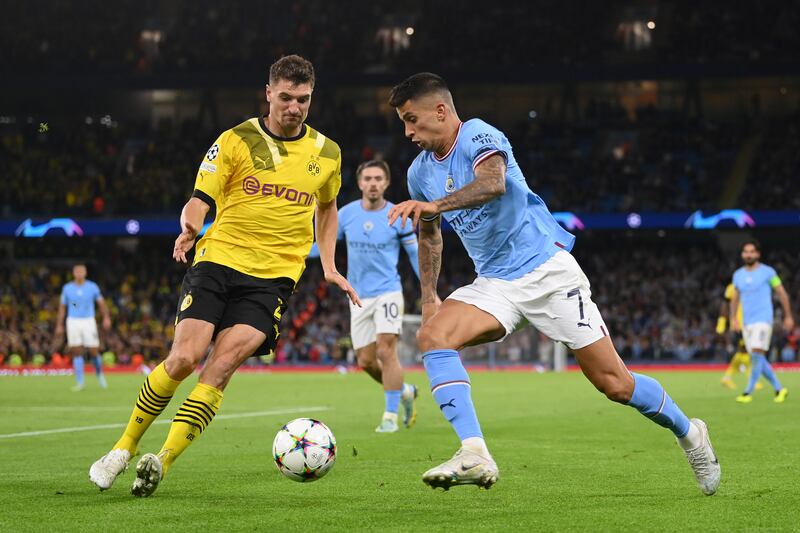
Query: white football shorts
pixel 757 336
pixel 82 332
pixel 555 298
pixel 381 314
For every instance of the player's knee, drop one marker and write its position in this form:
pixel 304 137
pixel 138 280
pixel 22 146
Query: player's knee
pixel 365 362
pixel 430 338
pixel 181 362
pixel 616 388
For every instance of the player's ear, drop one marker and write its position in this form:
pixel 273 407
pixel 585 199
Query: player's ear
pixel 441 111
pixel 267 92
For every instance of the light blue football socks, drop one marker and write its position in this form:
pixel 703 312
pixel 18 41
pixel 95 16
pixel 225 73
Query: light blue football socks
pixel 451 389
pixel 78 367
pixel 650 399
pixel 760 366
pixel 392 400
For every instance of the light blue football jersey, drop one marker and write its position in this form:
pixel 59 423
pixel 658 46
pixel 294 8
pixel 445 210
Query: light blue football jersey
pixel 507 237
pixel 373 248
pixel 80 299
pixel 755 292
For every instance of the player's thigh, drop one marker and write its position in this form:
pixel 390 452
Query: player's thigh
pixel 74 334
pixel 457 325
pixel 388 315
pixel 366 356
pixel 757 337
pixel 362 323
pixel 234 346
pixel 192 337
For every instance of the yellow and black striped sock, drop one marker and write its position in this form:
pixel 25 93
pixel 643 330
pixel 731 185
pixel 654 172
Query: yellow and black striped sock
pixel 155 394
pixel 192 418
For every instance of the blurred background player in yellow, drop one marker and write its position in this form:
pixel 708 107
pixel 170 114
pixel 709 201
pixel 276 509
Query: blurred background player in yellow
pixel 270 180
pixel 740 360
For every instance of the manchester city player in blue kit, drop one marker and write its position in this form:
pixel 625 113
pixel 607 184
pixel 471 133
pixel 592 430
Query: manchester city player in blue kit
pixel 373 249
pixel 467 174
pixel 754 283
pixel 78 298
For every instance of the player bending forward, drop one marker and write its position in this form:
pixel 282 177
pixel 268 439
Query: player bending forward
pixel 467 173
pixel 373 248
pixel 268 177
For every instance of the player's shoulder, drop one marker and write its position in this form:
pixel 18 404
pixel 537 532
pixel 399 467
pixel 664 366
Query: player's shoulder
pixel 350 208
pixel 328 148
pixel 68 285
pixel 769 270
pixel 473 129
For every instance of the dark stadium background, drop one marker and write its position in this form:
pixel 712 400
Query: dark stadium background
pixel 631 117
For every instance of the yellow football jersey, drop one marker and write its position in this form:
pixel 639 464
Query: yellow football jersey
pixel 265 189
pixel 728 296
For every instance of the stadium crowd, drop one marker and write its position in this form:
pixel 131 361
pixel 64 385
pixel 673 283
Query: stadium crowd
pixel 659 300
pixel 148 37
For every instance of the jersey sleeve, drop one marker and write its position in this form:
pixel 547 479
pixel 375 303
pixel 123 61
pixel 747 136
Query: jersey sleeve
pixel 64 295
pixel 729 290
pixel 216 169
pixel 483 141
pixel 330 189
pixel 774 279
pixel 413 189
pixel 97 294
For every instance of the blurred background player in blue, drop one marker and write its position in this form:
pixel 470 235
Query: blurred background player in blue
pixel 78 299
pixel 373 250
pixel 754 283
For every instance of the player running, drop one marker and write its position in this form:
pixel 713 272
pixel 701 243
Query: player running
pixel 373 249
pixel 754 283
pixel 78 298
pixel 467 174
pixel 267 178
pixel 740 357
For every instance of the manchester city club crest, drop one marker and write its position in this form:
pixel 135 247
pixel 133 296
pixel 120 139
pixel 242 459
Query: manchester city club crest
pixel 449 185
pixel 368 225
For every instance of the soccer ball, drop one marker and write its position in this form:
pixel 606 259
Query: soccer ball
pixel 304 450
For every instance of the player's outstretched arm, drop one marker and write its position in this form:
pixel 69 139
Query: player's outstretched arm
pixel 192 217
pixel 788 317
pixel 430 264
pixel 327 228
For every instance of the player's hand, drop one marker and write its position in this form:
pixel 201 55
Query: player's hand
pixel 412 209
pixel 788 324
pixel 184 242
pixel 107 323
pixel 341 282
pixel 735 326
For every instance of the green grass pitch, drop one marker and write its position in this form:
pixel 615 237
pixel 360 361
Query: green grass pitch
pixel 569 460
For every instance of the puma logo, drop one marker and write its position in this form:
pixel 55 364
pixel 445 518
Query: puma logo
pixel 448 404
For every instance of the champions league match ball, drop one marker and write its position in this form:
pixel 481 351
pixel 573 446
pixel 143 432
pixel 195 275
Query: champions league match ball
pixel 304 450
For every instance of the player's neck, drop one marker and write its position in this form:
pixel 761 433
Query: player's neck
pixel 370 205
pixel 451 139
pixel 79 282
pixel 753 266
pixel 274 127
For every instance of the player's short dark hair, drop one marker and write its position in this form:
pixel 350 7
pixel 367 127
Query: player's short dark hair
pixel 374 163
pixel 421 84
pixel 754 242
pixel 292 68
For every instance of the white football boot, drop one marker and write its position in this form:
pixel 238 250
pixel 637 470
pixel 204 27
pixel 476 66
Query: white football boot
pixel 704 462
pixel 387 425
pixel 408 399
pixel 149 472
pixel 465 468
pixel 105 470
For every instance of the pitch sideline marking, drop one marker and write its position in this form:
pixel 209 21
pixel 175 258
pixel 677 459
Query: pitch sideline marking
pixel 113 426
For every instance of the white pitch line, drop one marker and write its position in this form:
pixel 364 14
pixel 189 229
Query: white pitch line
pixel 113 426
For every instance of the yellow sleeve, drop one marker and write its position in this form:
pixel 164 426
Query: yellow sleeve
pixel 330 189
pixel 729 291
pixel 216 169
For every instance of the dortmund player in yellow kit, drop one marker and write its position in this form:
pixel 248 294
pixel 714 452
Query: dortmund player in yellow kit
pixel 740 356
pixel 270 179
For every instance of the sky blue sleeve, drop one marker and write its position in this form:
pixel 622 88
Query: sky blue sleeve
pixel 64 295
pixel 413 190
pixel 97 294
pixel 409 241
pixel 483 141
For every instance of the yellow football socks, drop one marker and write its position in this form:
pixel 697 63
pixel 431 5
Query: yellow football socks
pixel 155 394
pixel 192 418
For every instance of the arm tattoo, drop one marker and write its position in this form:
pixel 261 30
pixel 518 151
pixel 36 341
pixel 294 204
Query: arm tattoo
pixel 430 258
pixel 489 183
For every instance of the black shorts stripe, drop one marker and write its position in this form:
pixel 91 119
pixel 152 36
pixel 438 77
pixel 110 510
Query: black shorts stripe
pixel 200 405
pixel 150 390
pixel 146 410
